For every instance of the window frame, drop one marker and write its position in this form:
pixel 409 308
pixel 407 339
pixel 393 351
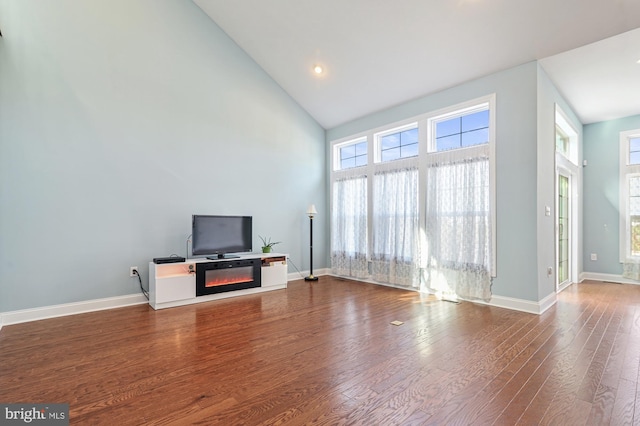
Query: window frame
pixel 629 152
pixel 627 171
pixel 560 133
pixel 458 111
pixel 377 142
pixel 337 148
pixel 563 124
pixel 469 107
pixel 426 138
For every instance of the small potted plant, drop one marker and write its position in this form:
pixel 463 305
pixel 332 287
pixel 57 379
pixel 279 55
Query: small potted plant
pixel 267 245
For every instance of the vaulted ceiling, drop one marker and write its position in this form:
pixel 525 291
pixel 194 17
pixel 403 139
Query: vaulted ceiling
pixel 380 53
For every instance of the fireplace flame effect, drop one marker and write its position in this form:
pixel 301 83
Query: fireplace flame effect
pixel 228 278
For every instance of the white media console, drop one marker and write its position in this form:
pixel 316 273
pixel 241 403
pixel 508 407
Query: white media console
pixel 174 284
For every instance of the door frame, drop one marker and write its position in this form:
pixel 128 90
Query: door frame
pixel 570 171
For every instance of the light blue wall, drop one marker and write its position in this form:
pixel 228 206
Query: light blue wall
pixel 601 193
pixel 516 164
pixel 118 121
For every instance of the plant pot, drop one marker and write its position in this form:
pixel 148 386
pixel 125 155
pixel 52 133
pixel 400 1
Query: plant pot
pixel 266 249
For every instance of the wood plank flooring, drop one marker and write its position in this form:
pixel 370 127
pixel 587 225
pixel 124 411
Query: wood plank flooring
pixel 326 354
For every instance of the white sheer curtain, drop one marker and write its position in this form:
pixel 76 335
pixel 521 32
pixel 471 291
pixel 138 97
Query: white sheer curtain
pixel 349 227
pixel 458 224
pixel 396 227
pixel 631 269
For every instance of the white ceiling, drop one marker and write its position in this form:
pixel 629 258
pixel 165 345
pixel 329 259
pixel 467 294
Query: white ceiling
pixel 380 53
pixel 601 80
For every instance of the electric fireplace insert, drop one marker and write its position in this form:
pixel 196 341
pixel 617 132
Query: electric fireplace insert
pixel 227 275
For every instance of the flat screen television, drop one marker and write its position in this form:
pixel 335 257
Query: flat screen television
pixel 217 236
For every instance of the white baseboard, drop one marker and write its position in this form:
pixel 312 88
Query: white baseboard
pixel 523 305
pixel 596 276
pixel 34 314
pixel 497 301
pixel 301 274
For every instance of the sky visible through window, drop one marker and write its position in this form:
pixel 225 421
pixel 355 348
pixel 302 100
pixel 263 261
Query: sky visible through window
pixel 634 150
pixel 461 132
pixel 399 145
pixel 353 155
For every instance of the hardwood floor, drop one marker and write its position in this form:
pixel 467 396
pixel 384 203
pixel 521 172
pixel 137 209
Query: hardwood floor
pixel 326 353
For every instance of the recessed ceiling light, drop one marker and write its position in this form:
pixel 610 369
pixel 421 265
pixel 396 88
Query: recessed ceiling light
pixel 318 69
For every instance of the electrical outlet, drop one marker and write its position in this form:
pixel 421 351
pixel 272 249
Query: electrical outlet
pixel 594 256
pixel 131 270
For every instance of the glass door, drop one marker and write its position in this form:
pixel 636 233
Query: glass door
pixel 564 231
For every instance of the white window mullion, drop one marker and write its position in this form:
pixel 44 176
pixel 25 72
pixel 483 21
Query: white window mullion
pixel 370 172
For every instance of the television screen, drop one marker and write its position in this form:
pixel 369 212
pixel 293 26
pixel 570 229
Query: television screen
pixel 219 235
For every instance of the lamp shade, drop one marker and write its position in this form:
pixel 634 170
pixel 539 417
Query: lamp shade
pixel 311 211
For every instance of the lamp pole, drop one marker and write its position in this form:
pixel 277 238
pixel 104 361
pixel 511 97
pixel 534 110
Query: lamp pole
pixel 311 211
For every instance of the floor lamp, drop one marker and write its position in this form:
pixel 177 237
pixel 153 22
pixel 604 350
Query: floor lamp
pixel 311 211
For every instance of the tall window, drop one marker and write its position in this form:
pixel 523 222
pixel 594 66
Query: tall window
pixel 634 216
pixel 396 226
pixel 426 189
pixel 458 204
pixel 630 203
pixel 349 226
